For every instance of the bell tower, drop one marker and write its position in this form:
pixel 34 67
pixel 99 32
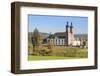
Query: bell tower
pixel 67 34
pixel 71 34
pixel 67 27
pixel 71 28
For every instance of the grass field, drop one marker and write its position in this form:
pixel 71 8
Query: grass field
pixel 30 57
pixel 62 52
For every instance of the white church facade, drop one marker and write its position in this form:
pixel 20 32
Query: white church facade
pixel 64 38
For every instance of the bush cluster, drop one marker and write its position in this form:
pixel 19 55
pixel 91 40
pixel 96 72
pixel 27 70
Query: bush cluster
pixel 64 52
pixel 73 53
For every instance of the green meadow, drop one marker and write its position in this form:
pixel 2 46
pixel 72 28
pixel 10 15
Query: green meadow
pixel 60 52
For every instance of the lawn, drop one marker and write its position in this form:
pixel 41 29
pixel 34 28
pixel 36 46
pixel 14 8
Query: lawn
pixel 30 57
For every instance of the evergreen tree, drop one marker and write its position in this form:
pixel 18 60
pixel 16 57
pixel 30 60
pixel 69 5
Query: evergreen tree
pixel 37 40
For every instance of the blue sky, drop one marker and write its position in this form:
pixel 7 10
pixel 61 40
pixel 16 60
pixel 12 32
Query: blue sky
pixel 54 24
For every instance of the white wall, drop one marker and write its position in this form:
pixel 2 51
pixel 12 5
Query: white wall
pixel 56 41
pixel 5 33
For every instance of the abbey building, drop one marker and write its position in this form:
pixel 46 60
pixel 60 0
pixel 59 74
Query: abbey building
pixel 64 38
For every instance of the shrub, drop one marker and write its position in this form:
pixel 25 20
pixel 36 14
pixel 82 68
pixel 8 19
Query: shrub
pixel 71 52
pixel 30 48
pixel 43 51
pixel 62 51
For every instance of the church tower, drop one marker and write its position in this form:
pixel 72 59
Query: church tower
pixel 67 34
pixel 71 34
pixel 71 28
